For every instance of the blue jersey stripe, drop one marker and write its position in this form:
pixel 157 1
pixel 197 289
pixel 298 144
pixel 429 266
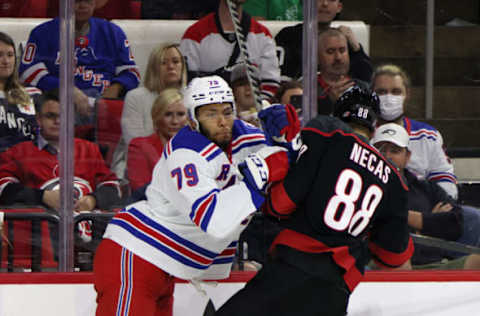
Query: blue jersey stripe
pixel 174 255
pixel 223 260
pixel 208 215
pixel 248 144
pixel 214 154
pixel 199 201
pixel 423 136
pixel 147 221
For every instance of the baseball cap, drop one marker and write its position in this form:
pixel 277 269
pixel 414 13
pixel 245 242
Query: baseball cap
pixel 392 133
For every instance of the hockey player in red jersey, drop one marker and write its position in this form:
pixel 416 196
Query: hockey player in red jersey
pixel 342 203
pixel 207 183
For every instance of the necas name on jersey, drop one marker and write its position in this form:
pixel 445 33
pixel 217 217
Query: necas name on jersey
pixel 370 161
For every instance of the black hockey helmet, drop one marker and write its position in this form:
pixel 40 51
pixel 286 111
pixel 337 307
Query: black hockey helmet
pixel 360 106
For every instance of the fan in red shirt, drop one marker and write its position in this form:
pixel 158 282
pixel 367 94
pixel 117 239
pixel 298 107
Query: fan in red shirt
pixel 169 115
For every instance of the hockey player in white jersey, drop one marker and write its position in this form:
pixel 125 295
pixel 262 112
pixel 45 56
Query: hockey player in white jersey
pixel 204 188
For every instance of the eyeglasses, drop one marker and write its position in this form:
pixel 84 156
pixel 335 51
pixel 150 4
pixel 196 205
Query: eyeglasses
pixel 51 116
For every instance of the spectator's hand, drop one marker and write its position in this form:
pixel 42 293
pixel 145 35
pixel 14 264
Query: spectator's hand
pixel 113 92
pixel 338 88
pixel 81 102
pixel 442 207
pixel 352 40
pixel 85 204
pixel 51 198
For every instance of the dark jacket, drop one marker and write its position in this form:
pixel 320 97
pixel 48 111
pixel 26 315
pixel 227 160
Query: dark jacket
pixel 290 39
pixel 423 195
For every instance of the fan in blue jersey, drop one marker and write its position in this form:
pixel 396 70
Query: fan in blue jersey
pixel 209 180
pixel 17 108
pixel 428 160
pixel 105 65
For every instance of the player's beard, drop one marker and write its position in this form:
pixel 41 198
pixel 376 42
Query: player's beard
pixel 223 144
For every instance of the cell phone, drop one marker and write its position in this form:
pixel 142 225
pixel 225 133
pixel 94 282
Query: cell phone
pixel 296 100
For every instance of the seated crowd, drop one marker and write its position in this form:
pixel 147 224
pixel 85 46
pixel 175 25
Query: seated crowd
pixel 153 111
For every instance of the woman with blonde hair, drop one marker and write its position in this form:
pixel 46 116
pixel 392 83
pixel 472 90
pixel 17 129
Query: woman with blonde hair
pixel 166 68
pixel 169 115
pixel 17 107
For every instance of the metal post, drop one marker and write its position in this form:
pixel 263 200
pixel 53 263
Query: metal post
pixel 67 122
pixel 429 58
pixel 310 53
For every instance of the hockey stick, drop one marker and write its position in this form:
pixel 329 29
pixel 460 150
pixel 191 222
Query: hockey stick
pixel 253 80
pixel 444 244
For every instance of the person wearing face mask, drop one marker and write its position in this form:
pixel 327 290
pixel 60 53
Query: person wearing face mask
pixel 428 160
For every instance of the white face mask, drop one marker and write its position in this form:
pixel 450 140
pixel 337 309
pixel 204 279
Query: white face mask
pixel 391 106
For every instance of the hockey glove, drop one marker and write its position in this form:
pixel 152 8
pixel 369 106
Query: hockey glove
pixel 269 164
pixel 282 127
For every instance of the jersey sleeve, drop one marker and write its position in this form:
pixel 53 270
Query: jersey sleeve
pixel 440 168
pixel 9 169
pixel 287 194
pixel 39 59
pixel 12 190
pixel 190 49
pixel 389 242
pixel 126 71
pixel 360 64
pixel 187 180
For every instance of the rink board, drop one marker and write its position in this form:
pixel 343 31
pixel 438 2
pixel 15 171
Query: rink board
pixel 436 293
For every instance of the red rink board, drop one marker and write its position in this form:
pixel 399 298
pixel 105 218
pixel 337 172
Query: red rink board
pixel 407 276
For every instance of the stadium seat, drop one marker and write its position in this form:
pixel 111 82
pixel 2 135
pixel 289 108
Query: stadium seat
pixel 108 129
pixel 27 241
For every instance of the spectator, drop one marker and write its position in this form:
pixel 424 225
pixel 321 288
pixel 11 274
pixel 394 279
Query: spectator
pixel 29 174
pixel 243 94
pixel 283 10
pixel 289 39
pixel 210 46
pixel 105 65
pixel 17 108
pixel 29 171
pixel 431 211
pixel 177 9
pixel 333 66
pixel 166 68
pixel 169 115
pixel 290 92
pixel 428 159
pixel 105 9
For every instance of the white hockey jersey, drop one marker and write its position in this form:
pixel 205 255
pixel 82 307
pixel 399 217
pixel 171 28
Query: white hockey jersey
pixel 196 206
pixel 207 48
pixel 428 160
